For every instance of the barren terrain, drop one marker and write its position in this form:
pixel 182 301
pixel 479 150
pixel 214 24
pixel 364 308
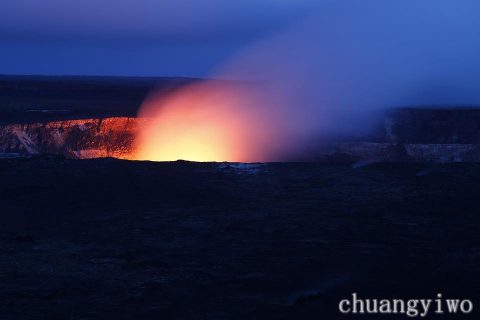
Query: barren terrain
pixel 97 239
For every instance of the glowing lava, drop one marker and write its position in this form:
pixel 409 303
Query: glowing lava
pixel 211 121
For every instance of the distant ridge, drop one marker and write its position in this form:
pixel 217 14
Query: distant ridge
pixel 77 97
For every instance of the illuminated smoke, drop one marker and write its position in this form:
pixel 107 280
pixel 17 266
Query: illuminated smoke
pixel 211 121
pixel 326 77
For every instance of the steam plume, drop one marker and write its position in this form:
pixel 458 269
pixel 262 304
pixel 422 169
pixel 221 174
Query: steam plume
pixel 330 74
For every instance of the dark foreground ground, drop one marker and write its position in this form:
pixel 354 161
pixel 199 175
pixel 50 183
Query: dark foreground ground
pixel 110 239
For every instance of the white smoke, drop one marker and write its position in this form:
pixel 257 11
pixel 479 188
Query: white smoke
pixel 331 74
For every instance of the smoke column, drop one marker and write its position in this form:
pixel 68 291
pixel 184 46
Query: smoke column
pixel 328 75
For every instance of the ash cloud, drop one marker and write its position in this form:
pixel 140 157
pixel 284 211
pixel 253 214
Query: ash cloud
pixel 332 73
pixel 330 76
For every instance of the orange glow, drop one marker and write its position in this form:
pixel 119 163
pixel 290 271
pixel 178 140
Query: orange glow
pixel 212 121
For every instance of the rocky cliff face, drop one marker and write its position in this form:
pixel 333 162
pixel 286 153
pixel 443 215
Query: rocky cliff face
pixel 398 152
pixel 86 138
pixel 411 135
pixel 427 126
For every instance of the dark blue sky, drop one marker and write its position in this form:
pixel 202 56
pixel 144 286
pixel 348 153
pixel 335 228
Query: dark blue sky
pixel 134 37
